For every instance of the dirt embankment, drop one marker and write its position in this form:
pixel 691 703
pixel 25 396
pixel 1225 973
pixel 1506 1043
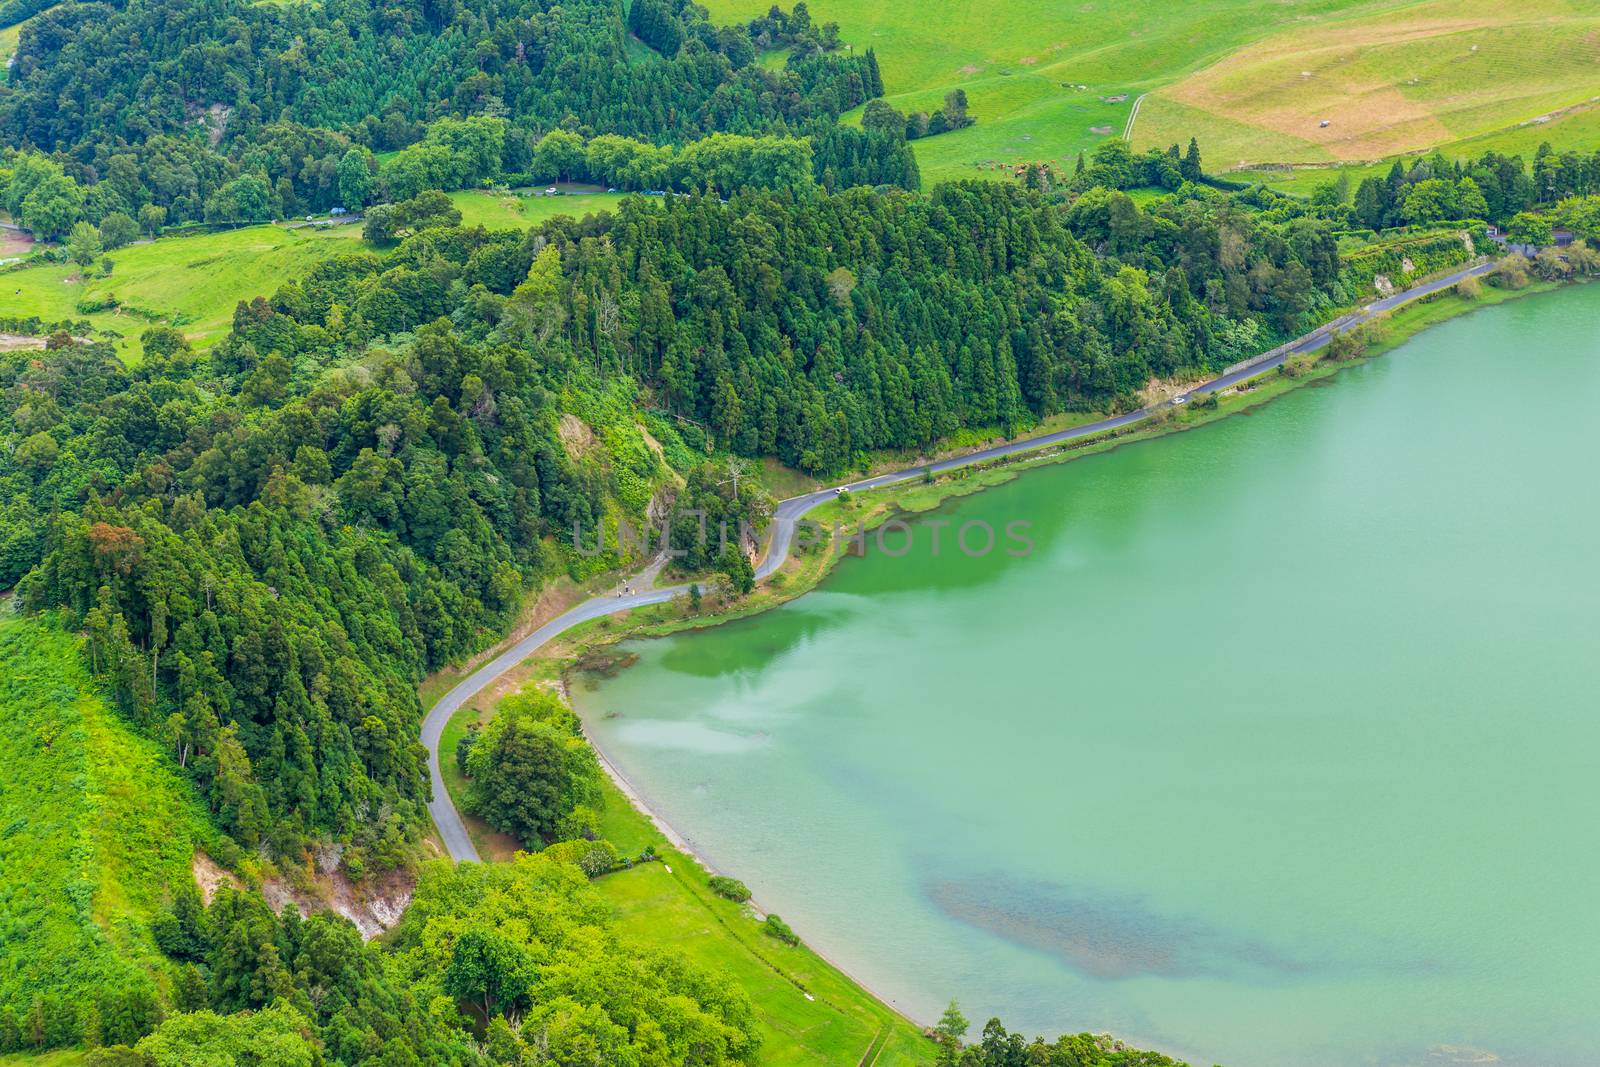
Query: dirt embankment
pixel 14 244
pixel 373 906
pixel 12 342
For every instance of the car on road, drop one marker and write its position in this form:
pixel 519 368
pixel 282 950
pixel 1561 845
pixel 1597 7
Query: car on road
pixel 1181 398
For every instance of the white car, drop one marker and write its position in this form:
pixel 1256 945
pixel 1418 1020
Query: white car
pixel 1180 399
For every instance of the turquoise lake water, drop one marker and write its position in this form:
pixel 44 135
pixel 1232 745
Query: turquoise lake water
pixel 1280 747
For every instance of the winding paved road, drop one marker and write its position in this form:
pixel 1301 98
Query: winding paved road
pixel 786 518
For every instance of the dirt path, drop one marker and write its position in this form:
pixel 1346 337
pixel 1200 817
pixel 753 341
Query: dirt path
pixel 1133 116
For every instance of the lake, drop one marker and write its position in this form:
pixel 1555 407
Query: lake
pixel 1278 748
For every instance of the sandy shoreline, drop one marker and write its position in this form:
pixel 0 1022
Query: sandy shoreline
pixel 625 787
pixel 685 846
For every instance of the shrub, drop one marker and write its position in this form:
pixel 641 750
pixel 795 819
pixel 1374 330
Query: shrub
pixel 593 858
pixel 582 823
pixel 776 927
pixel 1346 345
pixel 1551 265
pixel 355 864
pixel 731 888
pixel 1295 366
pixel 1584 259
pixel 1513 272
pixel 464 747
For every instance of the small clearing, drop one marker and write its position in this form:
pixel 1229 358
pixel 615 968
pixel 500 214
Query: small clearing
pixel 576 437
pixel 14 342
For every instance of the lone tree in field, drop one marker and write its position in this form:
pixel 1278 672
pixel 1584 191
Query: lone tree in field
pixel 83 244
pixel 955 109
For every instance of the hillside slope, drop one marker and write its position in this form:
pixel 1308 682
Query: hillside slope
pixel 1386 82
pixel 1045 81
pixel 96 830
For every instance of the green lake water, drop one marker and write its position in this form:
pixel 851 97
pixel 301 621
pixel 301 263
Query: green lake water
pixel 1280 748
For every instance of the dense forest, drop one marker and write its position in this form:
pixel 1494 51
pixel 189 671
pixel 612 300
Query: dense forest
pixel 528 941
pixel 267 545
pixel 91 75
pixel 256 111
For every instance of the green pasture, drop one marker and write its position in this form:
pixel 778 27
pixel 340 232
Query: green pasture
pixel 1400 78
pixel 192 282
pixel 502 211
pixel 1251 81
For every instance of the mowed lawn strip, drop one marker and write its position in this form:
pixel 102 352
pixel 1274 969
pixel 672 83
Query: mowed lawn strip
pixel 678 912
pixel 510 211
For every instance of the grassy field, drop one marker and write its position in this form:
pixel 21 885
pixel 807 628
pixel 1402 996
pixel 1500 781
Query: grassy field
pixel 8 43
pixel 71 1057
pixel 1022 62
pixel 500 211
pixel 1412 77
pixel 192 283
pixel 1251 80
pixel 8 46
pixel 98 827
pixel 195 282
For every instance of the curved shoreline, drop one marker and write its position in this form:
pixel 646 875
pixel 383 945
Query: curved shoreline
pixel 786 517
pixel 788 513
pixel 694 855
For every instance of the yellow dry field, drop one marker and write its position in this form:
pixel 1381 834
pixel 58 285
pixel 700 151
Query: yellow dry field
pixel 1408 79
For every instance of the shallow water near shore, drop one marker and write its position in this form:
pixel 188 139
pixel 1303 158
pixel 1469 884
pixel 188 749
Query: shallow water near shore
pixel 1279 748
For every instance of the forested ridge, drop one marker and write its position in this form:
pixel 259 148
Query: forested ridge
pixel 171 111
pixel 93 74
